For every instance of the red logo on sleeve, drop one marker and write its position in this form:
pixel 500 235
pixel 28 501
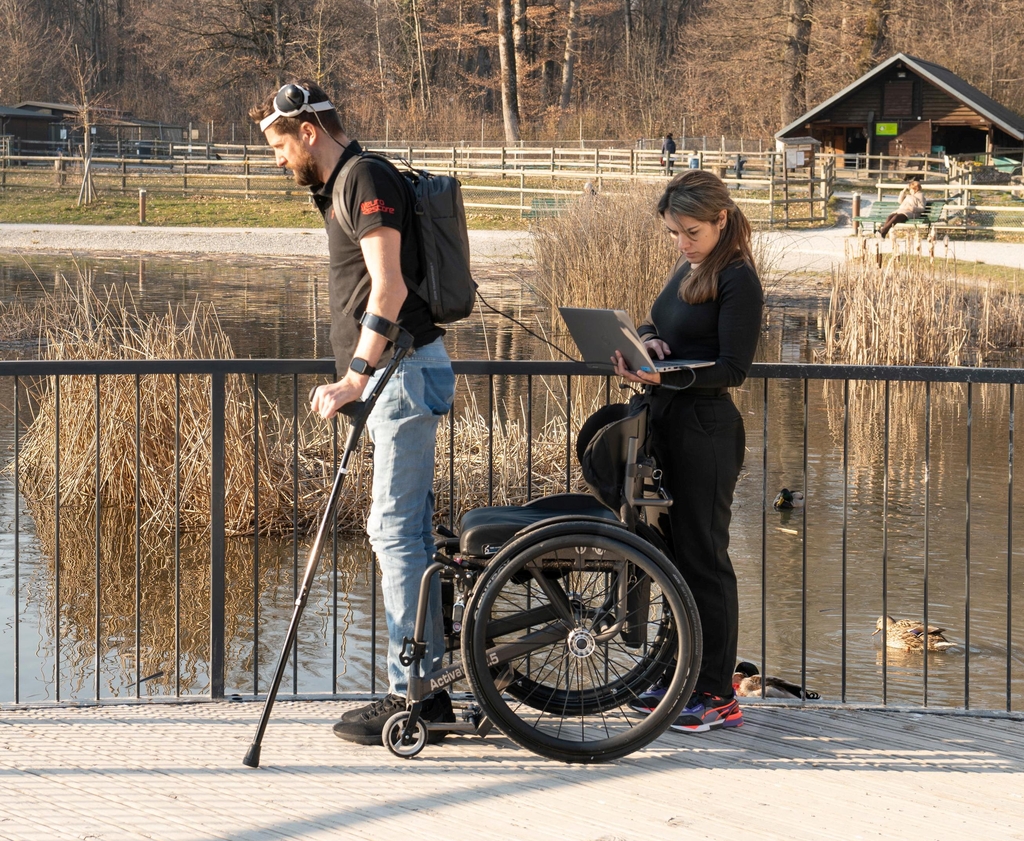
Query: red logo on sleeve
pixel 376 206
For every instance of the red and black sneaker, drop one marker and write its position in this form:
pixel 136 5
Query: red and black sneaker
pixel 708 712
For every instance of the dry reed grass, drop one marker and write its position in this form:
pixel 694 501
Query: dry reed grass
pixel 76 322
pixel 611 251
pixel 604 251
pixel 912 312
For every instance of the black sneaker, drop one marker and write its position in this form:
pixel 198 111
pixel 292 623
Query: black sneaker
pixel 365 726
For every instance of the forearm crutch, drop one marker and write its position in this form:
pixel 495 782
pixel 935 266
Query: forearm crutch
pixel 358 411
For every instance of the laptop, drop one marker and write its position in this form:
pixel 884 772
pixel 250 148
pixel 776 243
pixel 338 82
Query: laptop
pixel 599 333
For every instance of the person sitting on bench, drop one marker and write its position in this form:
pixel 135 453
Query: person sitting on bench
pixel 911 206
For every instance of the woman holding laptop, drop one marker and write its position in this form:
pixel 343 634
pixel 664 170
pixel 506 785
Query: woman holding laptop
pixel 709 309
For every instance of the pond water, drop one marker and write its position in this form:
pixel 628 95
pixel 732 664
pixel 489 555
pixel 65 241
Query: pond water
pixel 825 569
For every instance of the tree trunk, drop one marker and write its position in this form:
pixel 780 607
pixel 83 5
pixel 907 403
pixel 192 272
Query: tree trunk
pixel 279 54
pixel 569 63
pixel 519 41
pixel 507 58
pixel 627 26
pixel 875 32
pixel 421 61
pixel 798 42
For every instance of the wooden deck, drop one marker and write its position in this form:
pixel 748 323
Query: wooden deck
pixel 167 771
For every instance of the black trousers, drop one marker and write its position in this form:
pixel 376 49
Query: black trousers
pixel 893 219
pixel 699 442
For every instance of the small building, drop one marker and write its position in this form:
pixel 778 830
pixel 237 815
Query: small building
pixel 799 151
pixel 907 106
pixel 25 124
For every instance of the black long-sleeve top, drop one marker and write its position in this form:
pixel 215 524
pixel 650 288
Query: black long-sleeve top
pixel 724 330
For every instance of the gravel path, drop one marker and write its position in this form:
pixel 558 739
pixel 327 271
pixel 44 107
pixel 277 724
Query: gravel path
pixel 487 246
pixel 815 250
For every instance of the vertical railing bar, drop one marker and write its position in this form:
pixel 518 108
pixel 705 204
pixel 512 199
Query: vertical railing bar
pixel 217 541
pixel 17 547
pixel 529 437
pixel 845 539
pixel 764 536
pixel 803 549
pixel 927 512
pixel 490 439
pixel 295 522
pixel 568 433
pixel 98 554
pixel 177 535
pixel 885 546
pixel 56 539
pixel 1009 558
pixel 138 535
pixel 967 553
pixel 255 534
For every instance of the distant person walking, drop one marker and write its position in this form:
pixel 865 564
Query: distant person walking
pixel 668 153
pixel 911 206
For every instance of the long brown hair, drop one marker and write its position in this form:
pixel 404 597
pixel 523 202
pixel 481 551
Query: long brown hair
pixel 703 196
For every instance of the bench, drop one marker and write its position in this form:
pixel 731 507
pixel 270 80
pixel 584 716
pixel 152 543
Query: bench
pixel 877 214
pixel 881 210
pixel 545 207
pixel 934 214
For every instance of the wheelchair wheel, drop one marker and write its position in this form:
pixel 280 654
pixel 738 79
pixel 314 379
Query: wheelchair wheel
pixel 567 626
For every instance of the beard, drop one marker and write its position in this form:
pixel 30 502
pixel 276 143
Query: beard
pixel 306 173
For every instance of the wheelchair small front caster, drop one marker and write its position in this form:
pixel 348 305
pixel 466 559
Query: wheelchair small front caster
pixel 401 743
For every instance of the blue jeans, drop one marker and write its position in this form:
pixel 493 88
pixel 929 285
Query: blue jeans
pixel 403 428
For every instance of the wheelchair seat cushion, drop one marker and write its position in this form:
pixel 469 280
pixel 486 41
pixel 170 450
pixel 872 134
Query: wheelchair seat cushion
pixel 484 531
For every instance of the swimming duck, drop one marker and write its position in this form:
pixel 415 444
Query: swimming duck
pixel 747 683
pixel 910 635
pixel 787 499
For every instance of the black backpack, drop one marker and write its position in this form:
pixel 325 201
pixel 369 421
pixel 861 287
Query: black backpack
pixel 602 448
pixel 447 284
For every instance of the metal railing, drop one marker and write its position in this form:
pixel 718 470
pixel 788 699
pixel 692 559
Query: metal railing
pixel 810 426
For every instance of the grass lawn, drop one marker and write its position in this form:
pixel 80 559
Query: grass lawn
pixel 58 207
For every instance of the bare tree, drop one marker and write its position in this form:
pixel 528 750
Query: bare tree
pixel 507 58
pixel 569 60
pixel 798 44
pixel 25 41
pixel 519 40
pixel 872 49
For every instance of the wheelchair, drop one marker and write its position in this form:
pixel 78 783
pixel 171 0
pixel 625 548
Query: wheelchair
pixel 562 612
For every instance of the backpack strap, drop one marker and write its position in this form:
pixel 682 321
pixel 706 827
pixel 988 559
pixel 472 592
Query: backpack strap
pixel 338 196
pixel 341 182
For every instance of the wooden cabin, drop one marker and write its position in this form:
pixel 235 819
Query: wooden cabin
pixel 910 107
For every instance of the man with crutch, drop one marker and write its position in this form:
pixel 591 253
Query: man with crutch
pixel 369 297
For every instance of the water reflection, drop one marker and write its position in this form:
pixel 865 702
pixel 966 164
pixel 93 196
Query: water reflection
pixel 889 522
pixel 885 528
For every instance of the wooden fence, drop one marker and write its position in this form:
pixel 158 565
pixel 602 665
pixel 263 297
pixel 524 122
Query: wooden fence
pixel 509 180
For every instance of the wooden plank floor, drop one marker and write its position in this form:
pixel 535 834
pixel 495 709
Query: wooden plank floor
pixel 174 772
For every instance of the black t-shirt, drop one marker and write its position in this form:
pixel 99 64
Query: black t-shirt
pixel 724 330
pixel 377 196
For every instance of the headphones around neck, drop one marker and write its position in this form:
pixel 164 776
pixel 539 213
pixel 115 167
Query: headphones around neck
pixel 291 101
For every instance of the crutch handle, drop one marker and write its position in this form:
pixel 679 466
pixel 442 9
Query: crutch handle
pixel 351 409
